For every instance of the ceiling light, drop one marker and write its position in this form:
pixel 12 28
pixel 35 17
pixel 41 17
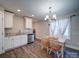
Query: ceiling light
pixel 18 10
pixel 33 15
pixel 54 16
pixel 47 16
pixel 51 16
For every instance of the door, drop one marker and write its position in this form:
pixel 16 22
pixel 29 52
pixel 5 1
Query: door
pixel 1 33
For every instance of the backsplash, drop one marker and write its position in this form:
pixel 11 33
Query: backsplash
pixel 28 31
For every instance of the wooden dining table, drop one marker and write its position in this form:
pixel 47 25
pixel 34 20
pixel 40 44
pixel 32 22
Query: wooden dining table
pixel 47 43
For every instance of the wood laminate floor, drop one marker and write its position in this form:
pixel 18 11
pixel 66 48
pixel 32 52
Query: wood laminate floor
pixel 32 50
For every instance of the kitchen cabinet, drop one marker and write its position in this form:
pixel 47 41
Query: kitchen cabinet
pixel 8 18
pixel 15 41
pixel 1 31
pixel 8 43
pixel 23 40
pixel 20 40
pixel 28 23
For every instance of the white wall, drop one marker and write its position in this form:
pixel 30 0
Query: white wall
pixel 42 29
pixel 1 10
pixel 74 34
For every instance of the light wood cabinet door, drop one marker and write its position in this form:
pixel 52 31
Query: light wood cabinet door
pixel 8 18
pixel 16 42
pixel 1 33
pixel 8 43
pixel 23 40
pixel 20 40
pixel 28 23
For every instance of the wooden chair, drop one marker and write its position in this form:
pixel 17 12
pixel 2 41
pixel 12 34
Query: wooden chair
pixel 55 47
pixel 45 43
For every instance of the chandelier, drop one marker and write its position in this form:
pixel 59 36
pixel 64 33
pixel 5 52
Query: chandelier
pixel 50 16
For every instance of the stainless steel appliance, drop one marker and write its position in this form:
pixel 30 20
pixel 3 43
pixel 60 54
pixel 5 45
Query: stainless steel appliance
pixel 30 38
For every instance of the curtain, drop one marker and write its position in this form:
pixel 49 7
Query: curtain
pixel 52 27
pixel 60 28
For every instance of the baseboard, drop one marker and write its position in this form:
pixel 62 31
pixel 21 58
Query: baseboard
pixel 73 47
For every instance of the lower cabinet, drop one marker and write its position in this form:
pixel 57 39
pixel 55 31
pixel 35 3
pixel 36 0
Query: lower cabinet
pixel 23 40
pixel 15 41
pixel 8 43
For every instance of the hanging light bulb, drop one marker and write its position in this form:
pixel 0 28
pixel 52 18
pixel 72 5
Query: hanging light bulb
pixel 54 16
pixel 47 16
pixel 51 16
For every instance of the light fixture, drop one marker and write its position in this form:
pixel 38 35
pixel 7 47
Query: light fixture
pixel 18 10
pixel 33 15
pixel 50 16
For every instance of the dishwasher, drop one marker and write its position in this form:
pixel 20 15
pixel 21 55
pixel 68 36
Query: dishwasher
pixel 30 38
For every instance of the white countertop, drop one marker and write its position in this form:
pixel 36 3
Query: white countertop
pixel 10 35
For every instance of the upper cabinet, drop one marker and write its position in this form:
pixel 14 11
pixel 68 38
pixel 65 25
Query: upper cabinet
pixel 8 18
pixel 28 23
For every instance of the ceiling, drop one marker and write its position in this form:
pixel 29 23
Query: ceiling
pixel 41 7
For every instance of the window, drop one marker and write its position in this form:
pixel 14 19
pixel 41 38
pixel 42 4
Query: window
pixel 60 27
